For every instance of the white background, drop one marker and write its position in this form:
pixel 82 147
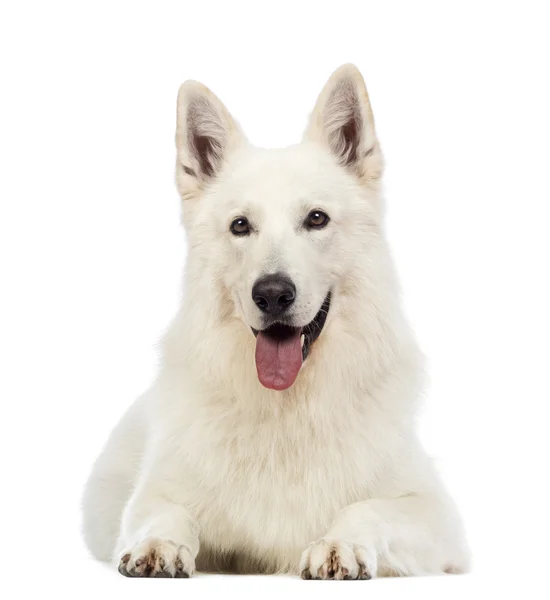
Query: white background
pixel 91 249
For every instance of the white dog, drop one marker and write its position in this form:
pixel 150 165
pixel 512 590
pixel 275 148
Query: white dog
pixel 279 435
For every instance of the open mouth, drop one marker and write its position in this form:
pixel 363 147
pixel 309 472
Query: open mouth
pixel 281 349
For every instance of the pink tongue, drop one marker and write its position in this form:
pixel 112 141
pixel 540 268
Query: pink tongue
pixel 278 361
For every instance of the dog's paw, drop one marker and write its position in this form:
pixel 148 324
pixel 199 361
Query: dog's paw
pixel 332 559
pixel 157 558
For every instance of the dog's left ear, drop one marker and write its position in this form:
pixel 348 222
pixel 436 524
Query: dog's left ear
pixel 342 120
pixel 206 135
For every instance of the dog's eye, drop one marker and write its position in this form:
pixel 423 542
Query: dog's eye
pixel 240 226
pixel 317 219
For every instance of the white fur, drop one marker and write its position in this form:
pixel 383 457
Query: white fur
pixel 210 465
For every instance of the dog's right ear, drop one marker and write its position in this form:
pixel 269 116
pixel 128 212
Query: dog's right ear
pixel 205 136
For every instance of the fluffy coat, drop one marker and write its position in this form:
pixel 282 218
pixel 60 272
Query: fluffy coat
pixel 211 470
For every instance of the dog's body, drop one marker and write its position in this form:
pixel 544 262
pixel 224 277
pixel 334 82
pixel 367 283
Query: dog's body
pixel 240 468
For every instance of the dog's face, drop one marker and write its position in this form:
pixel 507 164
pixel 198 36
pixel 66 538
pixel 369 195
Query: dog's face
pixel 279 217
pixel 279 228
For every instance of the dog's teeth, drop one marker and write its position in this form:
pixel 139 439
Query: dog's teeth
pixel 302 340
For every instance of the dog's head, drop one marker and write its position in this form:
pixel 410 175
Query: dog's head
pixel 276 231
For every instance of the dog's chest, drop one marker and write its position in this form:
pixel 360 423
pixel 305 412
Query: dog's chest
pixel 277 482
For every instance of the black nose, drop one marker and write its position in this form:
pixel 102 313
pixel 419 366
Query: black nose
pixel 273 294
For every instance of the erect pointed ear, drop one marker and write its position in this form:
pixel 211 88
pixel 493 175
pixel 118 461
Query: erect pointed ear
pixel 206 134
pixel 342 120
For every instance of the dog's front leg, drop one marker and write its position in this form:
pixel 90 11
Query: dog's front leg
pixel 411 535
pixel 158 537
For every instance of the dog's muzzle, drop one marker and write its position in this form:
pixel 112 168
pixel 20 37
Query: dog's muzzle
pixel 281 348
